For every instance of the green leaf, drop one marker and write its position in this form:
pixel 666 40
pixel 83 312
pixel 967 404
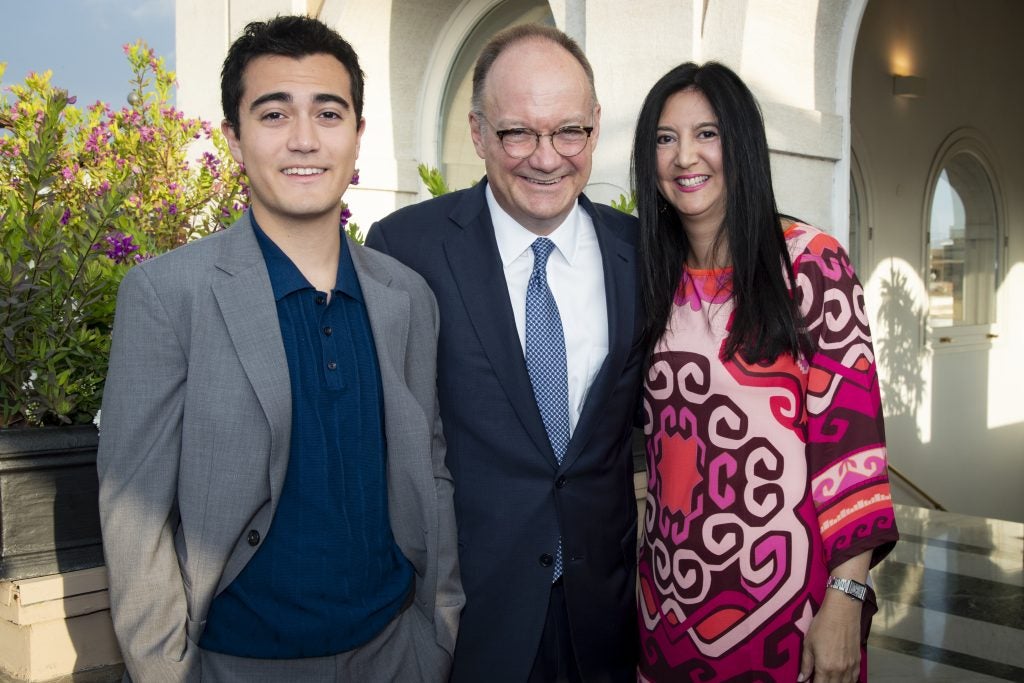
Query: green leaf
pixel 432 178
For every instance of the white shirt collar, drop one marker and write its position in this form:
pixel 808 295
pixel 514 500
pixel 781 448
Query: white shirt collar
pixel 513 239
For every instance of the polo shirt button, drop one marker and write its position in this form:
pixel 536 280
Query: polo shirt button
pixel 253 538
pixel 321 299
pixel 328 331
pixel 546 560
pixel 331 365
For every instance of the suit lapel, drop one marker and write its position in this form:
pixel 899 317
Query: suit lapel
pixel 388 311
pixel 476 267
pixel 246 301
pixel 617 257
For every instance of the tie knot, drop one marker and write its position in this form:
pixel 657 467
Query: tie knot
pixel 542 248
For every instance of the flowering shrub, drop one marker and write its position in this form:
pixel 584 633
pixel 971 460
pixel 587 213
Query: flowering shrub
pixel 84 195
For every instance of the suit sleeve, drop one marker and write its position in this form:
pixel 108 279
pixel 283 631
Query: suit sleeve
pixel 137 463
pixel 375 239
pixel 450 596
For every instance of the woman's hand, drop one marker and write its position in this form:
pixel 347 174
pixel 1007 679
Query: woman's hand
pixel 832 646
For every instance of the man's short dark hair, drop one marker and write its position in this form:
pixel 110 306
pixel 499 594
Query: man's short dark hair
pixel 519 34
pixel 288 36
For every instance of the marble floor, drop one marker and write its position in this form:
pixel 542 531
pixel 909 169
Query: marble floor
pixel 951 601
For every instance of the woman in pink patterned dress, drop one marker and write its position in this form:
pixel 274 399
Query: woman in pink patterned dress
pixel 768 498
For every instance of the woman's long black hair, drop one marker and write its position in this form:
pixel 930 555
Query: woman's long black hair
pixel 766 322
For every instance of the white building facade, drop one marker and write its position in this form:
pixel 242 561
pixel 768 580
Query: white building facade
pixel 894 124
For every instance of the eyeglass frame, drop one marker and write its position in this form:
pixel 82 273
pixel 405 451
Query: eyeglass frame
pixel 536 138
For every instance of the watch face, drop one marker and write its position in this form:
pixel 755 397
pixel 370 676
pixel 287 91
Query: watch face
pixel 854 589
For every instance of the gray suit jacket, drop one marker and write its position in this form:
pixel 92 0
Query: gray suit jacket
pixel 195 436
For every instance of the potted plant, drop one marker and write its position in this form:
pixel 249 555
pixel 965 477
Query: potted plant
pixel 84 195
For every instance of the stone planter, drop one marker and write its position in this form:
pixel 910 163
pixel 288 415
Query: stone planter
pixel 49 520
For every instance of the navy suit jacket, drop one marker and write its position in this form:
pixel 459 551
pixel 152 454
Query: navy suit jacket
pixel 512 499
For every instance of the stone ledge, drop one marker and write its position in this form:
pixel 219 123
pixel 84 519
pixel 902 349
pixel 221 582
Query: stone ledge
pixel 58 628
pixel 104 674
pixel 27 601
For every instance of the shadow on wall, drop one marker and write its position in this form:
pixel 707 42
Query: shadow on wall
pixel 900 352
pixel 904 363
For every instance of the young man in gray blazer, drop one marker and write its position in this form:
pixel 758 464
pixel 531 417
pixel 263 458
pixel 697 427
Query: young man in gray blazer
pixel 538 373
pixel 273 494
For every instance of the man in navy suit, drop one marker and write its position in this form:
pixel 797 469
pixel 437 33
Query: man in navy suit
pixel 538 373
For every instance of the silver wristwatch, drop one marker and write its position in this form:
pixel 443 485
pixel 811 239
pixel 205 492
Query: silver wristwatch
pixel 855 589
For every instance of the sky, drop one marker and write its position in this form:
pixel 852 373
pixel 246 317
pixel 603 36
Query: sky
pixel 80 41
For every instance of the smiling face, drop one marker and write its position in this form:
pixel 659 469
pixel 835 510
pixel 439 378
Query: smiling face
pixel 298 138
pixel 537 85
pixel 690 173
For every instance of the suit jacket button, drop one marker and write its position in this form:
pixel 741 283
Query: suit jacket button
pixel 560 482
pixel 546 560
pixel 253 538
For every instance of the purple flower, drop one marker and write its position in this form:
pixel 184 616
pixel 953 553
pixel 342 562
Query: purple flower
pixel 65 217
pixel 120 248
pixel 355 177
pixel 210 160
pixel 345 215
pixel 73 99
pixel 98 136
pixel 146 134
pixel 68 173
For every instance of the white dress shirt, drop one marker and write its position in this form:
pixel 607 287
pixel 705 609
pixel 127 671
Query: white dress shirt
pixel 576 279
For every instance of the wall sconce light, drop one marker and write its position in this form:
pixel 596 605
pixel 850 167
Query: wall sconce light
pixel 908 86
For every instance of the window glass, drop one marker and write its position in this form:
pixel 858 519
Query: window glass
pixel 963 256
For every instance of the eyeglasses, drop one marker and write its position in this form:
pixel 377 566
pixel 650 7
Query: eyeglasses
pixel 520 143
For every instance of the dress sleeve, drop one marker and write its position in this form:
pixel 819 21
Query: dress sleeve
pixel 846 451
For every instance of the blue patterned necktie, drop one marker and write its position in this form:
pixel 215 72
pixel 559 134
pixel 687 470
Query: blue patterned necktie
pixel 545 360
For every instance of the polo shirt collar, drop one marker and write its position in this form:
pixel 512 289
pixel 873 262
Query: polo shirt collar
pixel 285 277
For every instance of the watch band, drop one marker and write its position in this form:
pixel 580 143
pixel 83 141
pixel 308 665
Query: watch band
pixel 855 589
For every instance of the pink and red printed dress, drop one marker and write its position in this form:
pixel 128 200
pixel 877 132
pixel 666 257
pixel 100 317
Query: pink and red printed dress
pixel 761 478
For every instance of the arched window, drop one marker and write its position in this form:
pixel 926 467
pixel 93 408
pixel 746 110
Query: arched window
pixel 459 162
pixel 860 220
pixel 962 239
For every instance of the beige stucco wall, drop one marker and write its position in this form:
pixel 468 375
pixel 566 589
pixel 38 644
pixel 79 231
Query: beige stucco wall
pixel 405 47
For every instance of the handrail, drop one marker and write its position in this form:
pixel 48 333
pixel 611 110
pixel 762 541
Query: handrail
pixel 917 489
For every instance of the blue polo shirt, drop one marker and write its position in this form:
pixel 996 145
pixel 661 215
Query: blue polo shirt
pixel 328 576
